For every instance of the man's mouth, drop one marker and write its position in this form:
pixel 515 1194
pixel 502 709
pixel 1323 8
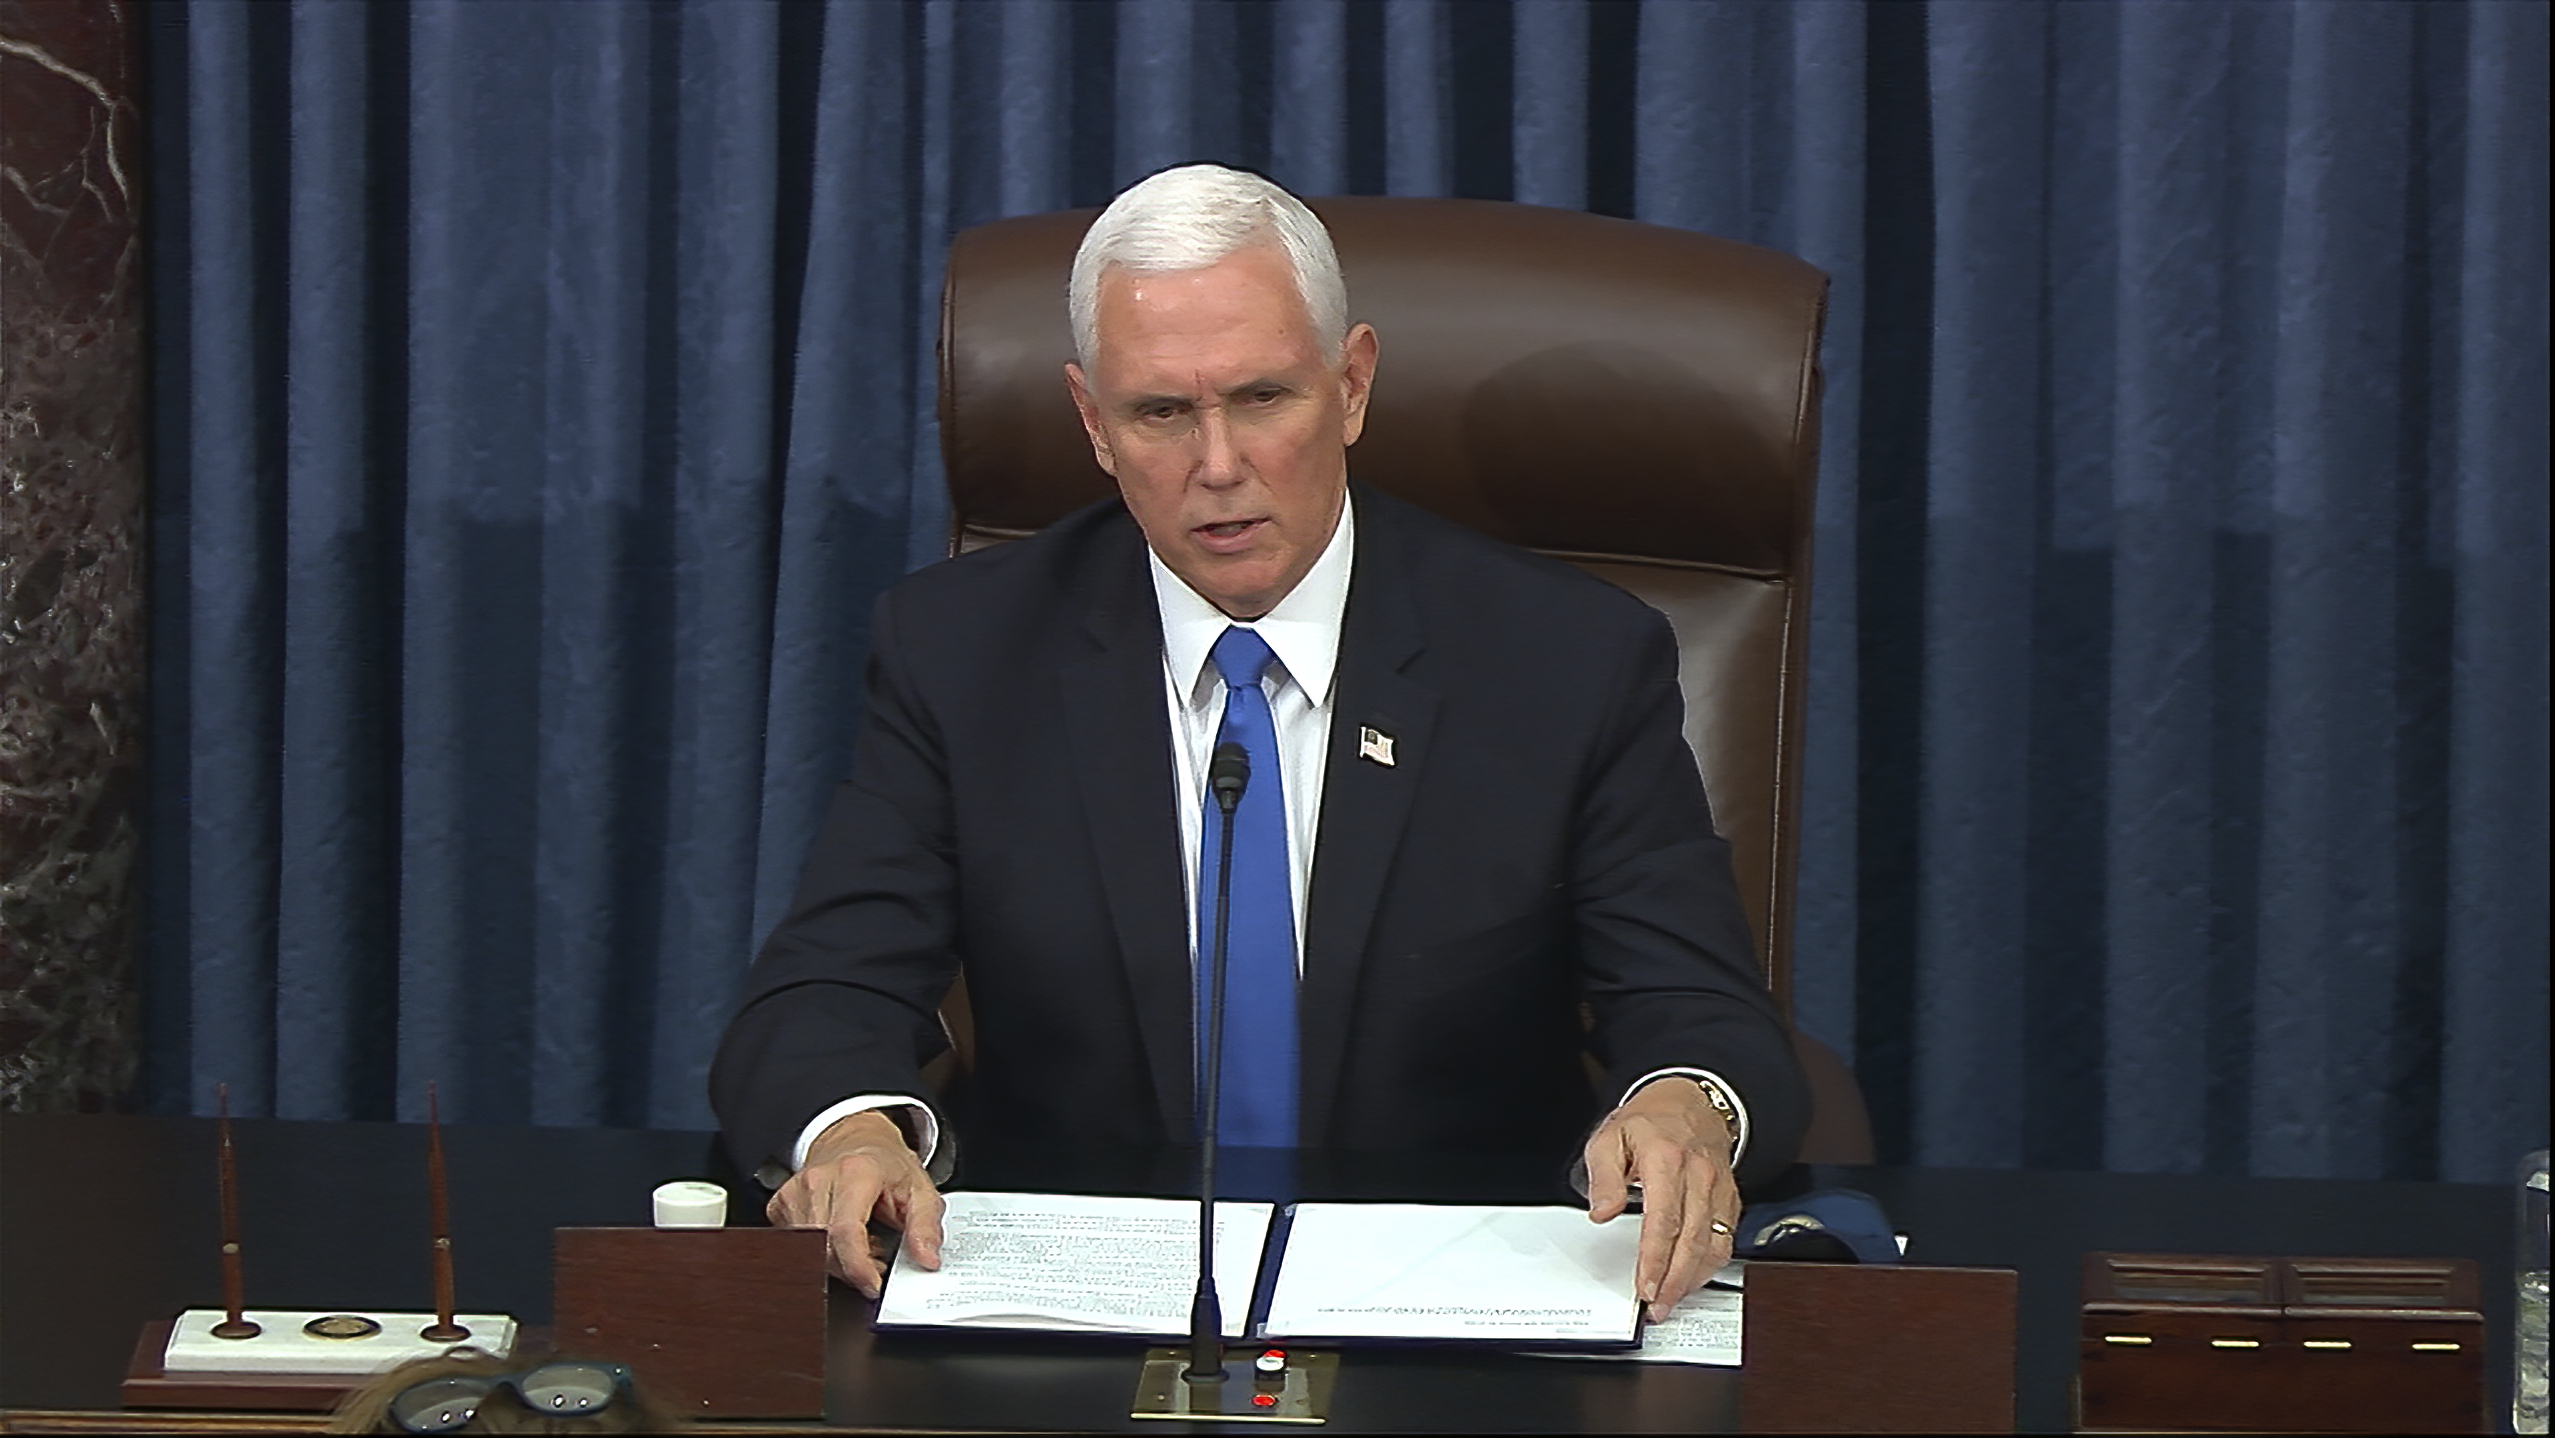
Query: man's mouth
pixel 1229 532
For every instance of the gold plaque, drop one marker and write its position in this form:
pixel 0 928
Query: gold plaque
pixel 341 1325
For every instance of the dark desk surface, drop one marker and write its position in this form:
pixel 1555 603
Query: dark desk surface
pixel 106 1223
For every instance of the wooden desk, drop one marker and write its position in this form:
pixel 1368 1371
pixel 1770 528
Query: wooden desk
pixel 108 1222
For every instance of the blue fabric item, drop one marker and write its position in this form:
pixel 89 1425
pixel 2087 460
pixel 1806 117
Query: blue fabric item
pixel 543 392
pixel 1823 1225
pixel 1258 1093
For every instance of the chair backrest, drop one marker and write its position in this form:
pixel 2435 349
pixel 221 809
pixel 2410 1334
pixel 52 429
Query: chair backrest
pixel 1640 401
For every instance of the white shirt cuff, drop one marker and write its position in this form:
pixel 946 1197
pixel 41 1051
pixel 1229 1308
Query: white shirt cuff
pixel 926 1124
pixel 1711 1080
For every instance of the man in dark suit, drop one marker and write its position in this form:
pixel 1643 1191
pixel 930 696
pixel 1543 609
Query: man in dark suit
pixel 1476 808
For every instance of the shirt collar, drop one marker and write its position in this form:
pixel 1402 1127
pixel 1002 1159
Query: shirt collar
pixel 1303 630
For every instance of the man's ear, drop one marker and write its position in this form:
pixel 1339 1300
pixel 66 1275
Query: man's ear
pixel 1357 381
pixel 1089 409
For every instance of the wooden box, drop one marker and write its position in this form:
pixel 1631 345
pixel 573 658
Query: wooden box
pixel 716 1322
pixel 1877 1348
pixel 2331 1345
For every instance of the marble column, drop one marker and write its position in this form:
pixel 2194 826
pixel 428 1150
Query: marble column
pixel 71 533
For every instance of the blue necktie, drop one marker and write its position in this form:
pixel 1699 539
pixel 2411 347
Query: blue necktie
pixel 1258 1105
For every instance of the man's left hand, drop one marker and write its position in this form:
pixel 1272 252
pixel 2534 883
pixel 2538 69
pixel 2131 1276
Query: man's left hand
pixel 1670 1140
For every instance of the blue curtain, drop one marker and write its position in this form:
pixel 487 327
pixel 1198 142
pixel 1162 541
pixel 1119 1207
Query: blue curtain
pixel 544 389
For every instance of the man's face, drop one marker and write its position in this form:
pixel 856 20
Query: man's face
pixel 1223 422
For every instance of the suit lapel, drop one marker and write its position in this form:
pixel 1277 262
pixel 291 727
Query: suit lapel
pixel 1121 743
pixel 1365 804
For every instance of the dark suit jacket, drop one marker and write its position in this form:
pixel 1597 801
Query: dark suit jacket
pixel 1541 842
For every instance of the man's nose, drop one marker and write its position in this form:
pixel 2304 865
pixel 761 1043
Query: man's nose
pixel 1219 461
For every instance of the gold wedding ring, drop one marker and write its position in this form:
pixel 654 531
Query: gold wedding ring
pixel 1721 1228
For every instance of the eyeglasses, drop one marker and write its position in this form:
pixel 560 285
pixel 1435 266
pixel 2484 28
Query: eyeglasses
pixel 446 1405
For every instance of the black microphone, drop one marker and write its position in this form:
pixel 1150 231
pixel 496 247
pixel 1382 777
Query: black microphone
pixel 1228 774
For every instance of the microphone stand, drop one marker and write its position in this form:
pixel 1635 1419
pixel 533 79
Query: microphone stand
pixel 1193 1386
pixel 1227 775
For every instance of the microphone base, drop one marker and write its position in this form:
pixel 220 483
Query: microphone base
pixel 1300 1395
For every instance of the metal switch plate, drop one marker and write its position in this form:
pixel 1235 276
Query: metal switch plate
pixel 1301 1395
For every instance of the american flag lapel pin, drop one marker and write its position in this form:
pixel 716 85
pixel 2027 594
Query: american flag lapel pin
pixel 1375 744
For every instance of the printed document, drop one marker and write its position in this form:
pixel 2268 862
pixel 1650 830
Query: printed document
pixel 1060 1262
pixel 1445 1271
pixel 1702 1328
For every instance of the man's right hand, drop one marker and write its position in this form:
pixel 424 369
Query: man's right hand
pixel 858 1169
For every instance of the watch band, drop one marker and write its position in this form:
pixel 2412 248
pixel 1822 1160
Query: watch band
pixel 1721 1105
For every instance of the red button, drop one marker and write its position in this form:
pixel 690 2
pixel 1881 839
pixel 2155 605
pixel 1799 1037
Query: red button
pixel 1264 1400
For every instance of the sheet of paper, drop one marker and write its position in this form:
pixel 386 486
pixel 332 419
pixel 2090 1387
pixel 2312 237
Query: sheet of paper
pixel 1703 1328
pixel 1056 1261
pixel 1406 1270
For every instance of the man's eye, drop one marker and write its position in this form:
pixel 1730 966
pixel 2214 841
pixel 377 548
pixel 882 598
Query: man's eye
pixel 1269 394
pixel 1159 412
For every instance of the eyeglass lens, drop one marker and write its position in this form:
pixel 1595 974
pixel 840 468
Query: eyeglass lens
pixel 566 1387
pixel 439 1405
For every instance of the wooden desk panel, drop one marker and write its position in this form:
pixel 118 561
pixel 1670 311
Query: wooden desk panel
pixel 107 1223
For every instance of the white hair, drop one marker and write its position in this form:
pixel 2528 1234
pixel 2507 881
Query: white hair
pixel 1189 218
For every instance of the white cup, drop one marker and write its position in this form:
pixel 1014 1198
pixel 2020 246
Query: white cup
pixel 688 1203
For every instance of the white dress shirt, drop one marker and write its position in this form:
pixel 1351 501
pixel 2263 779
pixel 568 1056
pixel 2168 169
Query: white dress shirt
pixel 1303 631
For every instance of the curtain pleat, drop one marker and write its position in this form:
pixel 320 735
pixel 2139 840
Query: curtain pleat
pixel 1156 64
pixel 1308 95
pixel 1690 104
pixel 2493 1047
pixel 2329 950
pixel 1550 149
pixel 723 403
pixel 1419 104
pixel 603 535
pixel 1826 76
pixel 1981 554
pixel 1034 98
pixel 228 758
pixel 471 671
pixel 845 490
pixel 327 1011
pixel 2138 548
pixel 548 390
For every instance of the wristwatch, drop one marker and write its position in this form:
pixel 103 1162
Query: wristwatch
pixel 1720 1102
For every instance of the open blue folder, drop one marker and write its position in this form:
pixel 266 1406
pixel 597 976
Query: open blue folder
pixel 1315 1272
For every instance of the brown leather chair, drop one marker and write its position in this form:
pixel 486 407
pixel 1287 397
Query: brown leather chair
pixel 1640 401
